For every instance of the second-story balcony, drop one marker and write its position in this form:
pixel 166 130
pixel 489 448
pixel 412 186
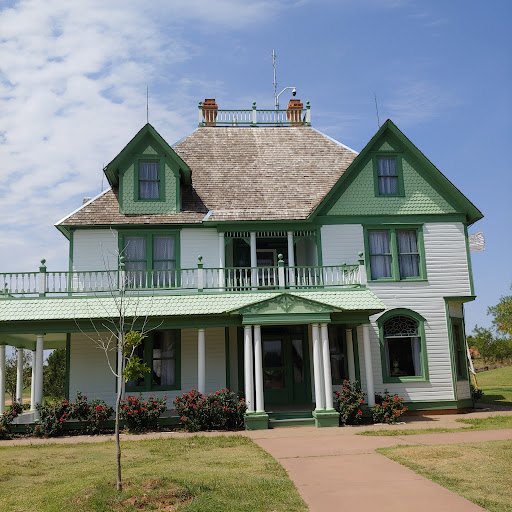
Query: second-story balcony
pixel 186 280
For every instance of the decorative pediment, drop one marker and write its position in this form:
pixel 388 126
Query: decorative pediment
pixel 287 304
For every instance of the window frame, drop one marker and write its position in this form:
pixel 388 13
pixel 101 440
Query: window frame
pixel 149 235
pixel 462 372
pixel 161 178
pixel 387 379
pixel 393 245
pixel 147 358
pixel 342 338
pixel 399 173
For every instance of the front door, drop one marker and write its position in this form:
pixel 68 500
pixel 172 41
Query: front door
pixel 286 368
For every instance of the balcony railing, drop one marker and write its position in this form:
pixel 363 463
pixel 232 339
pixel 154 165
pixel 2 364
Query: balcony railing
pixel 199 279
pixel 254 117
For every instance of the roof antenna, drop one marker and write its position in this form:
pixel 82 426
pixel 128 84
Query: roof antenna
pixel 147 104
pixel 276 104
pixel 377 110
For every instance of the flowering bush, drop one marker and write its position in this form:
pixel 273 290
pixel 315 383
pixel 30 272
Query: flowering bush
pixel 388 408
pixel 7 418
pixel 142 415
pixel 91 415
pixel 221 410
pixel 52 416
pixel 348 402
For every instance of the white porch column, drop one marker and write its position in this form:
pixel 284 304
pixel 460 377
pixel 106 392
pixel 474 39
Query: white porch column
pixel 248 368
pixel 2 379
pixel 33 383
pixel 19 376
pixel 254 260
pixel 350 356
pixel 326 356
pixel 317 368
pixel 258 370
pixel 39 369
pixel 222 261
pixel 201 362
pixel 291 259
pixel 370 389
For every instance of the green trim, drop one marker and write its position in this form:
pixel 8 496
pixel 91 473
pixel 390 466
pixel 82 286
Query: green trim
pixel 460 298
pixel 226 350
pixel 440 405
pixel 395 268
pixel 355 343
pixel 286 319
pixel 112 169
pixel 390 219
pixel 148 360
pixel 326 418
pixel 161 178
pixel 462 372
pixel 259 225
pixel 68 365
pixel 424 377
pixel 451 348
pixel 319 251
pixel 256 420
pixel 399 173
pixel 440 183
pixel 470 266
pixel 71 256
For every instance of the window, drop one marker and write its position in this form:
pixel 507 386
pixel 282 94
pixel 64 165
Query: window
pixel 154 252
pixel 149 180
pixel 388 175
pixel 459 346
pixel 161 353
pixel 395 254
pixel 403 346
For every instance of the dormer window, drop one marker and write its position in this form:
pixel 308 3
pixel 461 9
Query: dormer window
pixel 388 176
pixel 149 180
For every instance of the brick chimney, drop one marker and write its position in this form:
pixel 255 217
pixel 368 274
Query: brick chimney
pixel 294 112
pixel 210 112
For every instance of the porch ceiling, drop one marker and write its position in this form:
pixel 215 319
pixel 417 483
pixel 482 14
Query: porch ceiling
pixel 51 341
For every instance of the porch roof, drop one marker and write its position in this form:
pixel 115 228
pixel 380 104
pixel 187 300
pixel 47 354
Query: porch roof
pixel 170 305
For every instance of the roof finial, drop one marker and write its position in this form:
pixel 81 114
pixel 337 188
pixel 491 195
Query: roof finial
pixel 147 104
pixel 377 110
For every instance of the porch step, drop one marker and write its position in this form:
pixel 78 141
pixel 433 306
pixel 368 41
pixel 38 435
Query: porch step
pixel 290 419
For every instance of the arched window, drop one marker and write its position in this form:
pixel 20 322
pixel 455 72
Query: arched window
pixel 403 346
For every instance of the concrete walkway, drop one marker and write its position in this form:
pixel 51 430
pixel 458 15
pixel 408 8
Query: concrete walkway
pixel 335 469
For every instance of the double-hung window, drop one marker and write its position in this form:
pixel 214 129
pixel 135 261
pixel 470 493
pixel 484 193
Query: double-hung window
pixel 150 259
pixel 395 253
pixel 160 351
pixel 459 348
pixel 149 180
pixel 388 175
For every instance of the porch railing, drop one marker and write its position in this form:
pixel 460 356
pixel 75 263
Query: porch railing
pixel 199 279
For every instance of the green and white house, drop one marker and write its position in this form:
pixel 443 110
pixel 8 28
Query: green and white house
pixel 262 256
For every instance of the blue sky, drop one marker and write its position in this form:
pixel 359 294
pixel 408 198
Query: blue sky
pixel 73 80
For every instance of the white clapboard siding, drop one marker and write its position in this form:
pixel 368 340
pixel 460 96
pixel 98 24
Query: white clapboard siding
pixel 342 244
pixel 199 242
pixel 95 249
pixel 447 273
pixel 90 374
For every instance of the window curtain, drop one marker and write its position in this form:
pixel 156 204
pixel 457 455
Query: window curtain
pixel 388 180
pixel 164 370
pixel 163 259
pixel 416 355
pixel 380 257
pixel 148 180
pixel 408 257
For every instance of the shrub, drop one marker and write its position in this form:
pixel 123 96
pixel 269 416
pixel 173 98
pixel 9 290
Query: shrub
pixel 221 410
pixel 142 415
pixel 91 415
pixel 388 408
pixel 348 402
pixel 476 394
pixel 7 418
pixel 52 416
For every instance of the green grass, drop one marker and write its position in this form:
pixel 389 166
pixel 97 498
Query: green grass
pixel 225 473
pixel 490 423
pixel 496 385
pixel 480 472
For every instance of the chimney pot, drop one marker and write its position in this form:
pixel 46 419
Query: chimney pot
pixel 294 112
pixel 210 112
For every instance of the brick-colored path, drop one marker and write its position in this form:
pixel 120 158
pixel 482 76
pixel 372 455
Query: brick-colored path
pixel 335 469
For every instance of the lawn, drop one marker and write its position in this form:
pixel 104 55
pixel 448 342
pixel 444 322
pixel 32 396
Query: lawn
pixel 224 473
pixel 480 472
pixel 490 423
pixel 496 385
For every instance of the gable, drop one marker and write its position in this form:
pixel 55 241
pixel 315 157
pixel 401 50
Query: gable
pixel 423 188
pixel 287 304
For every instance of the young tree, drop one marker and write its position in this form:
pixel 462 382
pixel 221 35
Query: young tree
pixel 54 374
pixel 502 313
